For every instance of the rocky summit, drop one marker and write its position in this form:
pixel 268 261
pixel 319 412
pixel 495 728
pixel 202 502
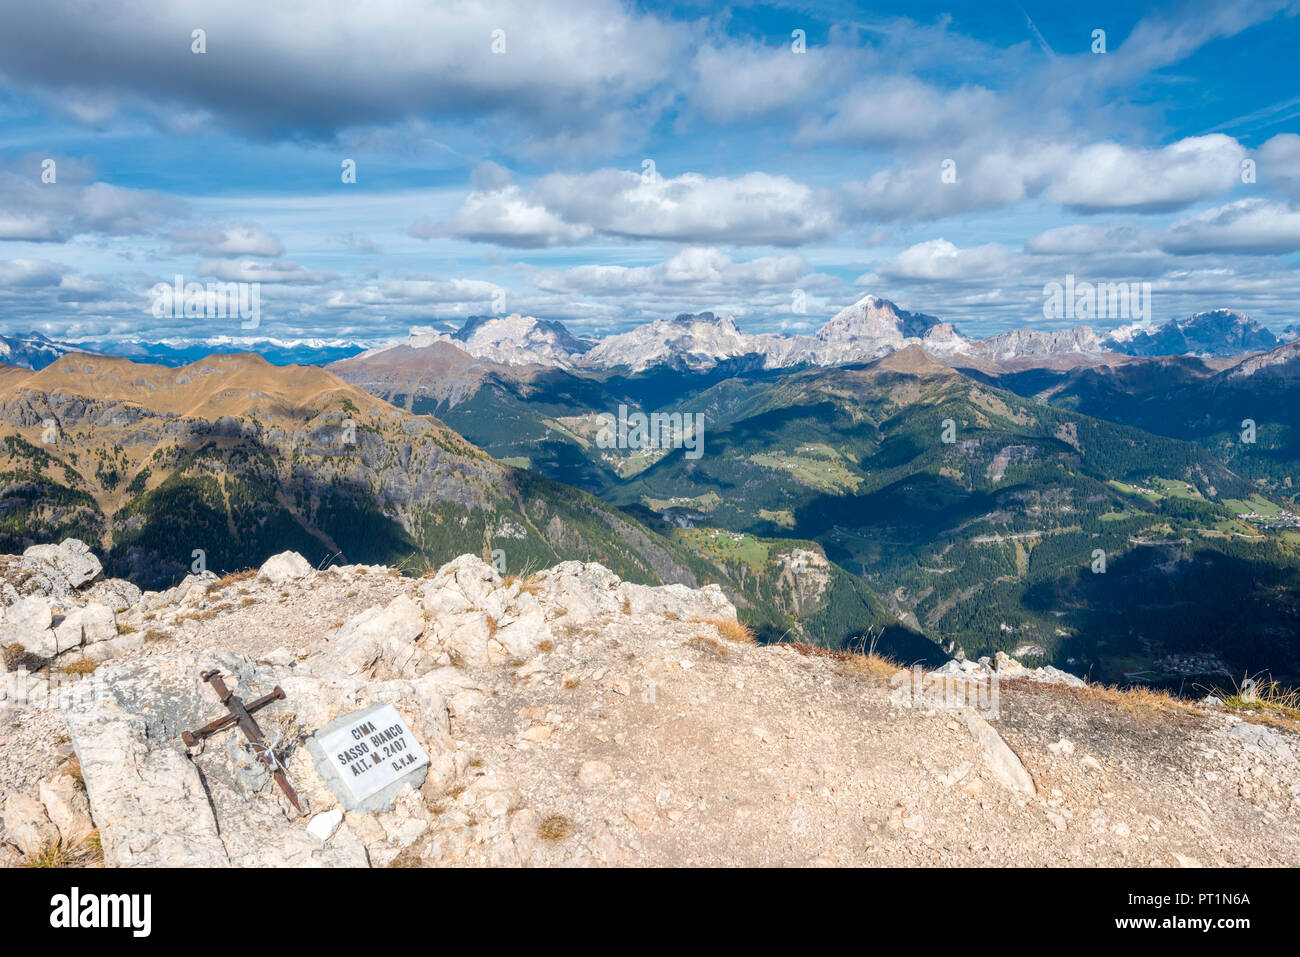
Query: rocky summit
pixel 572 718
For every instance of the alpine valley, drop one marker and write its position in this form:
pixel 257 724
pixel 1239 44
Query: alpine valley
pixel 1116 504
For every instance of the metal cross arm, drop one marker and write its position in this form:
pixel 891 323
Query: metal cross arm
pixel 241 714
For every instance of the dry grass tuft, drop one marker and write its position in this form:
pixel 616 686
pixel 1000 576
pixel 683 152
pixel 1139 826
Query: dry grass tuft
pixel 16 657
pixel 870 666
pixel 1139 700
pixel 556 827
pixel 1265 701
pixel 72 768
pixel 231 578
pixel 87 853
pixel 82 666
pixel 730 630
pixel 708 643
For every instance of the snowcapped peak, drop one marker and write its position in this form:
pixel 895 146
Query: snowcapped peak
pixel 1128 333
pixel 689 340
pixel 1215 332
pixel 876 319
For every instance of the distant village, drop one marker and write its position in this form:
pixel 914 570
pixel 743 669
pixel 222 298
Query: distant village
pixel 1282 519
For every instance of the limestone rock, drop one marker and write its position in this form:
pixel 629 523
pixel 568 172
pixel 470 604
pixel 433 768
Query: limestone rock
pixel 27 622
pixel 1006 666
pixel 59 570
pixel 594 773
pixel 158 804
pixel 67 807
pixel 588 589
pixel 1002 762
pixel 27 825
pixel 323 826
pixel 285 567
pixel 1258 736
pixel 118 594
pixel 86 625
pixel 468 641
pixel 378 643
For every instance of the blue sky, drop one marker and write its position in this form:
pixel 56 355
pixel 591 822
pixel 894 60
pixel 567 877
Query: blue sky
pixel 610 163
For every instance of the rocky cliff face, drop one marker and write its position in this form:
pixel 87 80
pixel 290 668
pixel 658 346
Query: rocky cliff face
pixel 573 718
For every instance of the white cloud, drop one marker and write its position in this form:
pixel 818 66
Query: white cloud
pixel 901 109
pixel 751 209
pixel 705 268
pixel 35 211
pixel 250 270
pixel 507 217
pixel 1247 226
pixel 227 240
pixel 692 280
pixel 917 190
pixel 30 273
pixel 738 81
pixel 1108 176
pixel 938 260
pixel 1089 178
pixel 462 296
pixel 1278 164
pixel 1081 238
pixel 321 67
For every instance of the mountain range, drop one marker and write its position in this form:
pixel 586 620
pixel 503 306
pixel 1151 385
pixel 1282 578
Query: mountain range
pixel 865 330
pixel 1059 495
pixel 35 351
pixel 171 471
pixel 970 502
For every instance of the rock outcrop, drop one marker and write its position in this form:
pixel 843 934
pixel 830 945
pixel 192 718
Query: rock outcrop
pixel 576 719
pixel 54 603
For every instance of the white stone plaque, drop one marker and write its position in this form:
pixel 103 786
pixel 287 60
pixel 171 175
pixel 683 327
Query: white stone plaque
pixel 371 750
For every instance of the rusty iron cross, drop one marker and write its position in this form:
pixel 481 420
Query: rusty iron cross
pixel 242 715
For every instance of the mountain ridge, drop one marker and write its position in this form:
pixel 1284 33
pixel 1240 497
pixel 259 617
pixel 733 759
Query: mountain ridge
pixel 860 332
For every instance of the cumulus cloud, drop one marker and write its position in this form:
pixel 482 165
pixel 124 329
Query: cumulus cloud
pixel 1247 226
pixel 250 270
pixel 734 81
pixel 456 296
pixel 1081 238
pixel 918 190
pixel 1108 176
pixel 706 268
pixel 691 280
pixel 30 273
pixel 227 240
pixel 1278 164
pixel 938 260
pixel 35 211
pixel 507 217
pixel 320 67
pixel 1089 178
pixel 751 209
pixel 904 109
